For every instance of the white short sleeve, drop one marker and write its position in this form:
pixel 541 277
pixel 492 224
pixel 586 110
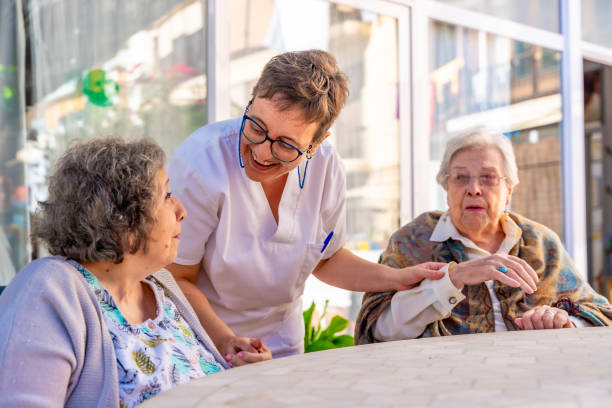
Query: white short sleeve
pixel 334 207
pixel 200 202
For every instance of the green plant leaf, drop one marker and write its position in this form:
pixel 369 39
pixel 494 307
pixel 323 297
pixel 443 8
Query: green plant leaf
pixel 319 345
pixel 324 311
pixel 343 341
pixel 317 333
pixel 319 339
pixel 308 331
pixel 337 324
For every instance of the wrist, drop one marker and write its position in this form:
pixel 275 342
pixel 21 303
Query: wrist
pixel 391 278
pixel 454 276
pixel 222 339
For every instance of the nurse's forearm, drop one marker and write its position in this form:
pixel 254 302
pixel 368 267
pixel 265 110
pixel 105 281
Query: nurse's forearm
pixel 186 276
pixel 348 271
pixel 218 331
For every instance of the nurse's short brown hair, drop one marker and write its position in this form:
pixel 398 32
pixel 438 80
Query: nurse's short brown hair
pixel 308 80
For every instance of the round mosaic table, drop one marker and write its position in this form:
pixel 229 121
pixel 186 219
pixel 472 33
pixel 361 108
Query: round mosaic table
pixel 545 368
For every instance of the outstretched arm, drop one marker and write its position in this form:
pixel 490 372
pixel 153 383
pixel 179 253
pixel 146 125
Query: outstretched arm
pixel 348 271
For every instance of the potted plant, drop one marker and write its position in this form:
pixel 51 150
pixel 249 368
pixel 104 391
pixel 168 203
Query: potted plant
pixel 323 339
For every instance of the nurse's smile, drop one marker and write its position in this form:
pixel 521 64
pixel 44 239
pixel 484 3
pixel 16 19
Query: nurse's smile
pixel 255 165
pixel 288 125
pixel 262 163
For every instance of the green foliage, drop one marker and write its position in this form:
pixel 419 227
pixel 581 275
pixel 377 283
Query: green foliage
pixel 100 90
pixel 324 339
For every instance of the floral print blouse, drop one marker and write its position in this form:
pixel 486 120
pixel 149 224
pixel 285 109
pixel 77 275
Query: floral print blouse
pixel 155 355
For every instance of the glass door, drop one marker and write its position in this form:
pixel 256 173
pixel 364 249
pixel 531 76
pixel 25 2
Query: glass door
pixel 598 151
pixel 367 132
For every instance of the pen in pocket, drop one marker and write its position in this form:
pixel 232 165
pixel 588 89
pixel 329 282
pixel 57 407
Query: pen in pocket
pixel 327 241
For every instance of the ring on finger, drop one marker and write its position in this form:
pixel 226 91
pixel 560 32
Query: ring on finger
pixel 502 269
pixel 549 312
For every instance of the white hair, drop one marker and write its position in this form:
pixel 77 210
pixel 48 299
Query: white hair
pixel 479 139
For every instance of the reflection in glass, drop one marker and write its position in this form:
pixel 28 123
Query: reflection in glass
pixel 482 80
pixel 103 67
pixel 542 14
pixel 14 244
pixel 596 27
pixel 597 187
pixel 366 134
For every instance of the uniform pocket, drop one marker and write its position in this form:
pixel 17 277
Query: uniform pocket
pixel 311 259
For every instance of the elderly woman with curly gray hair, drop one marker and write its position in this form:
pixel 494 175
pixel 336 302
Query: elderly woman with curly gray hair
pixel 101 323
pixel 503 272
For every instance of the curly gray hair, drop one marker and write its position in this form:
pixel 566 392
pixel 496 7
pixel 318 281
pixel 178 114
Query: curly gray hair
pixel 101 198
pixel 479 138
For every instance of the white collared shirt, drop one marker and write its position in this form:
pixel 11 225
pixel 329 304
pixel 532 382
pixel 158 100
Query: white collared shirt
pixel 412 310
pixel 253 269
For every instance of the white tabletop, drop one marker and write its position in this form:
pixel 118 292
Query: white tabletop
pixel 543 368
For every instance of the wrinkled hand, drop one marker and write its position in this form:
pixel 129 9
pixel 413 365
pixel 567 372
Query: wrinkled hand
pixel 519 273
pixel 544 317
pixel 411 276
pixel 244 350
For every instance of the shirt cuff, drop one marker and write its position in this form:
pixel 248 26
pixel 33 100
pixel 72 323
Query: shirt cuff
pixel 579 322
pixel 447 294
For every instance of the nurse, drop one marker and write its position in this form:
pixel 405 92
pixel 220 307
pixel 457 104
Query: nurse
pixel 265 195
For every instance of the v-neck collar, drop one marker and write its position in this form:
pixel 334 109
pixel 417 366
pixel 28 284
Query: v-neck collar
pixel 285 229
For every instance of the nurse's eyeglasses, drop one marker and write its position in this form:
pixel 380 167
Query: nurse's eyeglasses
pixel 281 149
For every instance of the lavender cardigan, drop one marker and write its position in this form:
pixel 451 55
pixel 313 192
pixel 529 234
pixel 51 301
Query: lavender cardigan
pixel 55 349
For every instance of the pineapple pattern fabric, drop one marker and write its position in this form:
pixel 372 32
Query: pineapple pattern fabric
pixel 155 355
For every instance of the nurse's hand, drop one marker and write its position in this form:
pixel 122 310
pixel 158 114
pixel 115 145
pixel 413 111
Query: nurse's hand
pixel 244 350
pixel 408 278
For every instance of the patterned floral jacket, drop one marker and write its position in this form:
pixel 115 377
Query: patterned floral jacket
pixel 559 285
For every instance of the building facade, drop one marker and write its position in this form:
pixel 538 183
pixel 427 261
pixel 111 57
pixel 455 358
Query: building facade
pixel 420 71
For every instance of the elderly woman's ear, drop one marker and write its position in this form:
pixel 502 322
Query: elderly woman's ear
pixel 508 198
pixel 131 242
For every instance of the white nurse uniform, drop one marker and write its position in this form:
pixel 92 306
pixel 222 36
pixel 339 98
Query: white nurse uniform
pixel 253 269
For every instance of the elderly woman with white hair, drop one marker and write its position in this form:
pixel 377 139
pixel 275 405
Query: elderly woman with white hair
pixel 504 271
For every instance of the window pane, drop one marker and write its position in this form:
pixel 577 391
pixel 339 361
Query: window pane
pixel 366 133
pixel 542 14
pixel 103 67
pixel 479 79
pixel 596 27
pixel 14 247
